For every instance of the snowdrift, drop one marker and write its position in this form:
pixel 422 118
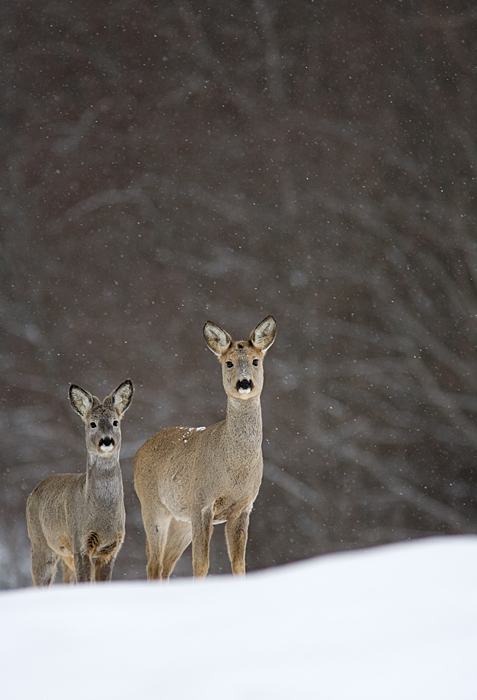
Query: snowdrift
pixel 392 623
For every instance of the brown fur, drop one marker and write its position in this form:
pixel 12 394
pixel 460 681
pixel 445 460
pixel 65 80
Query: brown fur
pixel 80 518
pixel 188 479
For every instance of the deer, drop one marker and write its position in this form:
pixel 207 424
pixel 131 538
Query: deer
pixel 189 479
pixel 80 518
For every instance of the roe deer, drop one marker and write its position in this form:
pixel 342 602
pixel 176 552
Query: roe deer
pixel 76 517
pixel 189 479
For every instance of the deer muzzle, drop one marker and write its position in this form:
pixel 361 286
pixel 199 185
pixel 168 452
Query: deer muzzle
pixel 106 444
pixel 244 386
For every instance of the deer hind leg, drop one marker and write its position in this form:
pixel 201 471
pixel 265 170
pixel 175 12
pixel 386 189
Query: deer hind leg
pixel 179 536
pixel 83 567
pixel 236 534
pixel 103 567
pixel 43 565
pixel 156 526
pixel 43 559
pixel 202 524
pixel 106 558
pixel 68 566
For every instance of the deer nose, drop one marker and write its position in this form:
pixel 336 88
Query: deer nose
pixel 244 384
pixel 106 442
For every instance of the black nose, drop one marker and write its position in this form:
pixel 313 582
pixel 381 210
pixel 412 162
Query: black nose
pixel 106 442
pixel 244 384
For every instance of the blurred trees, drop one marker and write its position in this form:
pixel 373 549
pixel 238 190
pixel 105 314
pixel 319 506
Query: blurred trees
pixel 165 163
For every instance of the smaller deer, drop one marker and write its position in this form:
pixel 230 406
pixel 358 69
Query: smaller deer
pixel 189 479
pixel 80 518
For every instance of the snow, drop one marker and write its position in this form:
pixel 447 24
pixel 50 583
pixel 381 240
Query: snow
pixel 397 622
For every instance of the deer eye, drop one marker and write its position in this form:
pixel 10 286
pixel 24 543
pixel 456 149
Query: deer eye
pixel 229 364
pixel 115 422
pixel 93 425
pixel 255 363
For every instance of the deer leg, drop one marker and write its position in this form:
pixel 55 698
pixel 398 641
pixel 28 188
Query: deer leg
pixel 156 527
pixel 103 567
pixel 236 533
pixel 43 565
pixel 179 536
pixel 202 524
pixel 83 567
pixel 68 570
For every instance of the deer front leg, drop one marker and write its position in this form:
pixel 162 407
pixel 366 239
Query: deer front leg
pixel 83 567
pixel 236 533
pixel 202 524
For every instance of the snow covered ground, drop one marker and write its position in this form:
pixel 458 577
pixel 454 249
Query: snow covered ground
pixel 392 623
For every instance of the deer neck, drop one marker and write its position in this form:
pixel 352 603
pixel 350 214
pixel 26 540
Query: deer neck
pixel 103 478
pixel 243 424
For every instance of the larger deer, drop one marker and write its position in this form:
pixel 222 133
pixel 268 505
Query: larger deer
pixel 80 518
pixel 189 479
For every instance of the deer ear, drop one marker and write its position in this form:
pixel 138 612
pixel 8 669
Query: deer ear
pixel 122 396
pixel 81 400
pixel 218 340
pixel 263 335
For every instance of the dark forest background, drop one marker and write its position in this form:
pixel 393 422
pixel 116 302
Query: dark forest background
pixel 168 163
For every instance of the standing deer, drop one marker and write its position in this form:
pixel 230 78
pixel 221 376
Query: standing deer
pixel 189 479
pixel 79 517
